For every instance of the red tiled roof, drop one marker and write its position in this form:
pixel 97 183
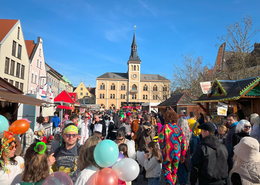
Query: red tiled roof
pixel 29 46
pixel 6 25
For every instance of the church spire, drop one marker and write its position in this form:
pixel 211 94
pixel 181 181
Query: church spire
pixel 134 56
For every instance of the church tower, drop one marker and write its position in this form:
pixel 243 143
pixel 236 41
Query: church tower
pixel 134 68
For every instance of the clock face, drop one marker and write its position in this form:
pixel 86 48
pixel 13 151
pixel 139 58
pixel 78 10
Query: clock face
pixel 134 75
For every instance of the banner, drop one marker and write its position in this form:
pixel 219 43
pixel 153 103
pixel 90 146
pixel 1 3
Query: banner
pixel 222 109
pixel 205 87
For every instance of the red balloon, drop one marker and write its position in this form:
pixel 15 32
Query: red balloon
pixel 19 126
pixel 107 176
pixel 93 179
pixel 120 182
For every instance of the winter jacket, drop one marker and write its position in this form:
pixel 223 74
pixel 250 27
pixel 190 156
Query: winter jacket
pixel 255 133
pixel 192 123
pixel 230 134
pixel 145 135
pixel 209 162
pixel 153 168
pixel 56 121
pixel 247 173
pixel 135 127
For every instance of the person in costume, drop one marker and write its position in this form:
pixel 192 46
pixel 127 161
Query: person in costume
pixel 173 146
pixel 36 165
pixel 11 165
pixel 67 154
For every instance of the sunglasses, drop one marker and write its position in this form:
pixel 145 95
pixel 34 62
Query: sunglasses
pixel 120 139
pixel 247 126
pixel 71 135
pixel 13 146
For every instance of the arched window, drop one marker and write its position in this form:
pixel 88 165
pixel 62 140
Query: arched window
pixel 165 88
pixel 145 88
pixel 146 97
pixel 112 106
pixel 113 87
pixel 102 86
pixel 134 87
pixel 103 96
pixel 134 96
pixel 143 96
pixel 100 96
pixel 134 67
pixel 153 97
pixel 123 96
pixel 110 96
pixel 123 87
pixel 113 96
pixel 102 106
pixel 156 97
pixel 137 68
pixel 155 88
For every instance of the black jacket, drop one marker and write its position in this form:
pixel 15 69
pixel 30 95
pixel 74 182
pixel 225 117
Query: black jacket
pixel 237 137
pixel 102 122
pixel 209 162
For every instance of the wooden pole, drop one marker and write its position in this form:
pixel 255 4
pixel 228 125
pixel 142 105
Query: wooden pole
pixel 252 106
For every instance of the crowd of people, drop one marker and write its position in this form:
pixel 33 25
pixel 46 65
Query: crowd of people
pixel 172 144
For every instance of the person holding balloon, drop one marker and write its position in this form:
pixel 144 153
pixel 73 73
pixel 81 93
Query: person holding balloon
pixel 36 165
pixel 87 164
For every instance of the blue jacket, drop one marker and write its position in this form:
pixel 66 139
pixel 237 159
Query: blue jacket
pixel 56 121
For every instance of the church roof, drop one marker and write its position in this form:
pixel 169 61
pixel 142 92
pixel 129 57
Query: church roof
pixel 150 77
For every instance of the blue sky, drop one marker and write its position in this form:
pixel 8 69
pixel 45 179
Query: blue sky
pixel 84 39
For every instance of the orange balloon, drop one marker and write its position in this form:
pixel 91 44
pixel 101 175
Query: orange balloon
pixel 107 176
pixel 93 179
pixel 19 126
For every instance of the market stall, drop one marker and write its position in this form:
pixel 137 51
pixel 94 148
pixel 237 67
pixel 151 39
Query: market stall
pixel 228 96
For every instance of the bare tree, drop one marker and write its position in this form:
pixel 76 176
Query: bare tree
pixel 239 38
pixel 187 74
pixel 162 92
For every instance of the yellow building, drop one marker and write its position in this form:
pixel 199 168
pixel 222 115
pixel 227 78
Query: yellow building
pixel 85 95
pixel 115 90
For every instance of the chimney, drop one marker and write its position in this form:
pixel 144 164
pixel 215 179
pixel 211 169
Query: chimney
pixel 89 87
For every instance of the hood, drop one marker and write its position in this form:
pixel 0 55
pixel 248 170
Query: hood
pixel 148 130
pixel 211 141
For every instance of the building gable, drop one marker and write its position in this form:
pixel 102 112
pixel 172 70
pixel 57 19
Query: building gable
pixel 6 26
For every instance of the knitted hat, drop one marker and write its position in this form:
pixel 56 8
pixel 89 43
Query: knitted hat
pixel 248 149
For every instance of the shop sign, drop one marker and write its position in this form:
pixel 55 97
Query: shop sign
pixel 222 109
pixel 205 87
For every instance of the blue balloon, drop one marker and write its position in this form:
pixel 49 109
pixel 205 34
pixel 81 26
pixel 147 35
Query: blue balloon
pixel 106 153
pixel 4 125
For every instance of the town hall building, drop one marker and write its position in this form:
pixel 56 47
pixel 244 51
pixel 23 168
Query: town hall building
pixel 116 90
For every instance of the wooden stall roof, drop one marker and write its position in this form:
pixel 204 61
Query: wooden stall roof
pixel 232 90
pixel 177 99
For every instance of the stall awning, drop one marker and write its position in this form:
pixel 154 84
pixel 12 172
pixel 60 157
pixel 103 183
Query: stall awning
pixel 20 98
pixel 65 107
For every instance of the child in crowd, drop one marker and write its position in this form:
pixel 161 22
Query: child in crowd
pixel 36 164
pixel 123 149
pixel 86 162
pixel 222 133
pixel 153 164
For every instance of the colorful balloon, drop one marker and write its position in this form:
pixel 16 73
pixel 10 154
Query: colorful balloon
pixel 127 169
pixel 58 178
pixel 107 176
pixel 93 179
pixel 19 126
pixel 106 153
pixel 3 124
pixel 120 156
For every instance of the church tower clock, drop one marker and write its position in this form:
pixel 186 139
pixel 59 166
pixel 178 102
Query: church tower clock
pixel 134 68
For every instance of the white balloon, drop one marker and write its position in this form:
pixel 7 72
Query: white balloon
pixel 140 158
pixel 131 149
pixel 126 169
